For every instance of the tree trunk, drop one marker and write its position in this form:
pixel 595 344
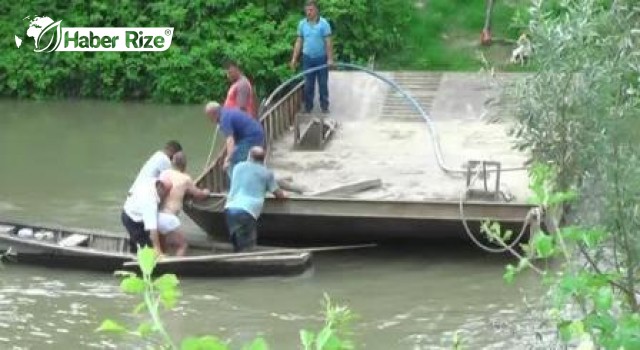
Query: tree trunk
pixel 485 39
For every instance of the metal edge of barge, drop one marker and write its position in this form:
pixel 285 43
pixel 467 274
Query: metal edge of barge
pixel 354 221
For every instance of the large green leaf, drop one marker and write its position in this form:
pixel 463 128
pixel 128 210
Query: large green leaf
pixel 166 282
pixel 510 273
pixel 323 337
pixel 544 245
pixel 257 344
pixel 203 343
pixel 146 260
pixel 145 329
pixel 307 338
pixel 169 297
pixel 132 285
pixel 111 326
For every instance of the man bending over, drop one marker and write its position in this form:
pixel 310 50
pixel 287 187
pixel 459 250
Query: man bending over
pixel 183 185
pixel 250 181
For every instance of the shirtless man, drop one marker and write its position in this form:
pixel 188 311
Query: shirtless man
pixel 183 185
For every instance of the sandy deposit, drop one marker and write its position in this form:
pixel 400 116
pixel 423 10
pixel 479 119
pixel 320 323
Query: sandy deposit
pixel 399 153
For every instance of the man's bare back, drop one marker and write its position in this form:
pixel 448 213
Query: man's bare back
pixel 182 183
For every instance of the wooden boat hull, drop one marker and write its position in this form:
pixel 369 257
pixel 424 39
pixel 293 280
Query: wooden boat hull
pixel 348 221
pixel 269 266
pixel 51 254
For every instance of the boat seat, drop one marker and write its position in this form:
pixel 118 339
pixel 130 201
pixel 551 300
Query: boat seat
pixel 73 240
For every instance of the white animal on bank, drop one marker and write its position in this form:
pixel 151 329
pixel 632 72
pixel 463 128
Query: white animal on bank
pixel 523 52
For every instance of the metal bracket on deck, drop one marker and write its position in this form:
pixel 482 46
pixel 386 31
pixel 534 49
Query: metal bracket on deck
pixel 483 169
pixel 312 132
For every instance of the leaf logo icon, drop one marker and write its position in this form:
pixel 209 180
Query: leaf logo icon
pixel 55 40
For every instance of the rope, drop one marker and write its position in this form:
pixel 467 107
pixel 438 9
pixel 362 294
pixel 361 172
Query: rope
pixel 527 219
pixel 430 124
pixel 213 146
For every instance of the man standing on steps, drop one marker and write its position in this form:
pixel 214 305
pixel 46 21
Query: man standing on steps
pixel 240 93
pixel 250 181
pixel 314 40
pixel 168 221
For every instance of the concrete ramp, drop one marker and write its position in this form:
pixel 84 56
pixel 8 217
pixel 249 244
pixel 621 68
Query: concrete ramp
pixel 381 136
pixel 355 96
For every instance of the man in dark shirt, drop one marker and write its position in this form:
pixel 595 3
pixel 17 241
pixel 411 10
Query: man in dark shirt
pixel 241 131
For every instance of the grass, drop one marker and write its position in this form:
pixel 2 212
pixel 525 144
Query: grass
pixel 445 35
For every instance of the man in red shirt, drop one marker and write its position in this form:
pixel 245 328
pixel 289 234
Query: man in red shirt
pixel 240 93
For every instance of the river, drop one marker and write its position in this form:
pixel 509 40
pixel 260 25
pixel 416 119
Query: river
pixel 70 163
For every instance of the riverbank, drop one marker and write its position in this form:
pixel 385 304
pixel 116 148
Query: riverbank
pixel 445 35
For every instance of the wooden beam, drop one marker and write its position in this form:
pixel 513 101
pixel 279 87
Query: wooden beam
pixel 350 188
pixel 255 254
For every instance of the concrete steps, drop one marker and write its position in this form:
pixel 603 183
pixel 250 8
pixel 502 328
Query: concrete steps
pixel 422 86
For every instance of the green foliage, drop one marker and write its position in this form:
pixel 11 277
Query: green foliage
pixel 607 303
pixel 258 34
pixel 164 291
pixel 336 330
pixel 111 326
pixel 578 113
pixel 161 291
pixel 458 341
pixel 444 35
pixel 203 343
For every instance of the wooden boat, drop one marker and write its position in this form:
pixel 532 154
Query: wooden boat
pixel 107 252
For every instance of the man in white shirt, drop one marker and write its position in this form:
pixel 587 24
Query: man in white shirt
pixel 140 213
pixel 158 162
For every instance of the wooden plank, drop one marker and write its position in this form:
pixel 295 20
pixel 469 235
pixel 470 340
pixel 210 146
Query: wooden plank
pixel 350 188
pixel 257 254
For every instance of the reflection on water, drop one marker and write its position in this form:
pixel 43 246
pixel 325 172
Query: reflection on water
pixel 69 163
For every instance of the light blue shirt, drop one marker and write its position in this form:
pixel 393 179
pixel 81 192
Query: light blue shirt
pixel 250 181
pixel 313 36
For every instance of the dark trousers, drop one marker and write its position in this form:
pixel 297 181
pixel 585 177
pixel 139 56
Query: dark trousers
pixel 137 233
pixel 242 229
pixel 322 76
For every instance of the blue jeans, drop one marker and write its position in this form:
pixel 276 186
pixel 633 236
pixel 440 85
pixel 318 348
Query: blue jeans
pixel 242 229
pixel 322 76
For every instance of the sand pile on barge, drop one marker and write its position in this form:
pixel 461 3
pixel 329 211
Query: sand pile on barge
pixel 399 152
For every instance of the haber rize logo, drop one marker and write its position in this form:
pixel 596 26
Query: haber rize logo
pixel 39 26
pixel 48 35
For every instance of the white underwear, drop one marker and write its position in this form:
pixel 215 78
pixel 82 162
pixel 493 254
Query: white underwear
pixel 167 223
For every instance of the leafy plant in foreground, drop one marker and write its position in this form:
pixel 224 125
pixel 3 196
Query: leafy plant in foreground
pixel 589 304
pixel 334 334
pixel 579 114
pixel 163 292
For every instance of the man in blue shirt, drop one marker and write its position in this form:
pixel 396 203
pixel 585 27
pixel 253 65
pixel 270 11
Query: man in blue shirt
pixel 241 131
pixel 314 37
pixel 250 181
